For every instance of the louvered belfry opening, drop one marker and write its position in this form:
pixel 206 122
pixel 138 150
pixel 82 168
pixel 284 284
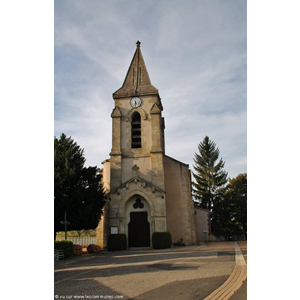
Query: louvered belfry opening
pixel 136 134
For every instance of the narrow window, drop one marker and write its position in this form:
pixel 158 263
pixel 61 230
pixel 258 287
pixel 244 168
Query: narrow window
pixel 140 77
pixel 133 76
pixel 136 136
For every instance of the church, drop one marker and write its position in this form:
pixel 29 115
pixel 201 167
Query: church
pixel 147 191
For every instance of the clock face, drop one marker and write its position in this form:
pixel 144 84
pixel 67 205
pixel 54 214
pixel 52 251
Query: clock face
pixel 135 101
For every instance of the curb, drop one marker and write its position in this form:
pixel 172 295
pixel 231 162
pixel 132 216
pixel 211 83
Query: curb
pixel 234 281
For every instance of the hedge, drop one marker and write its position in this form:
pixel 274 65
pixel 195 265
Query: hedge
pixel 161 240
pixel 116 242
pixel 67 246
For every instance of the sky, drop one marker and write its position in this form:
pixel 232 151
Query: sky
pixel 195 53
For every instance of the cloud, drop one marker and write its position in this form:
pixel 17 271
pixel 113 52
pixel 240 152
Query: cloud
pixel 195 53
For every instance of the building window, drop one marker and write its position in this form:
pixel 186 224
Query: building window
pixel 136 135
pixel 138 204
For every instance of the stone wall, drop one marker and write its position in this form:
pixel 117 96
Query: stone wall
pixel 179 205
pixel 202 223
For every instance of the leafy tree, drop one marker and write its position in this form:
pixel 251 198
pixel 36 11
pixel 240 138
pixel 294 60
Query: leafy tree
pixel 237 194
pixel 222 221
pixel 209 174
pixel 77 190
pixel 229 215
pixel 89 191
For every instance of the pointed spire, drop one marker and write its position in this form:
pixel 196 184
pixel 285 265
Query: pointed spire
pixel 137 80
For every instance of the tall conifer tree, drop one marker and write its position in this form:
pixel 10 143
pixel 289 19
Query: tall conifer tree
pixel 209 174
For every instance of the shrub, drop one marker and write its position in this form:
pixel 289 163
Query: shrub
pixel 116 242
pixel 92 248
pixel 161 240
pixel 67 246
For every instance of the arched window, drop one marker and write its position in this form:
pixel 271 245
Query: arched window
pixel 136 135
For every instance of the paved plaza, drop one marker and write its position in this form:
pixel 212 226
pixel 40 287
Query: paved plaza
pixel 209 271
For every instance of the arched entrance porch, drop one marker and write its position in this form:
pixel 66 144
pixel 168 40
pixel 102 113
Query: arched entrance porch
pixel 138 220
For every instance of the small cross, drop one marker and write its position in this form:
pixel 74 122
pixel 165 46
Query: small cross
pixel 65 222
pixel 135 169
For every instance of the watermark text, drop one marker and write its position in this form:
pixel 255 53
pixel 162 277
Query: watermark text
pixel 89 296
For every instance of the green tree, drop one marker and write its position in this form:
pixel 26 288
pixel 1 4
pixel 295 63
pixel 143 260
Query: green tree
pixel 209 174
pixel 229 215
pixel 237 194
pixel 77 190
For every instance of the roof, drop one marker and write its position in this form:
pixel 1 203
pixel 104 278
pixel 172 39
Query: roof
pixel 136 179
pixel 137 80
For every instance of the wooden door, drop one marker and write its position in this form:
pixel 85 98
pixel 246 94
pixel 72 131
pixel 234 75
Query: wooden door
pixel 139 230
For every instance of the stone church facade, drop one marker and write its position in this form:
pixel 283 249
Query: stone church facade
pixel 147 191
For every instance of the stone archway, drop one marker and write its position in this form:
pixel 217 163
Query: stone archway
pixel 138 222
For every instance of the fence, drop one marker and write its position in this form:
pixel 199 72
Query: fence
pixel 86 240
pixel 58 254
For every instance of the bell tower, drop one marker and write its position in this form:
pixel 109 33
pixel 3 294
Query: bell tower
pixel 135 185
pixel 138 127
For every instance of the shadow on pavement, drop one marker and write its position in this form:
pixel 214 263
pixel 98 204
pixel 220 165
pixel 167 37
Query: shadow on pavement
pixel 185 290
